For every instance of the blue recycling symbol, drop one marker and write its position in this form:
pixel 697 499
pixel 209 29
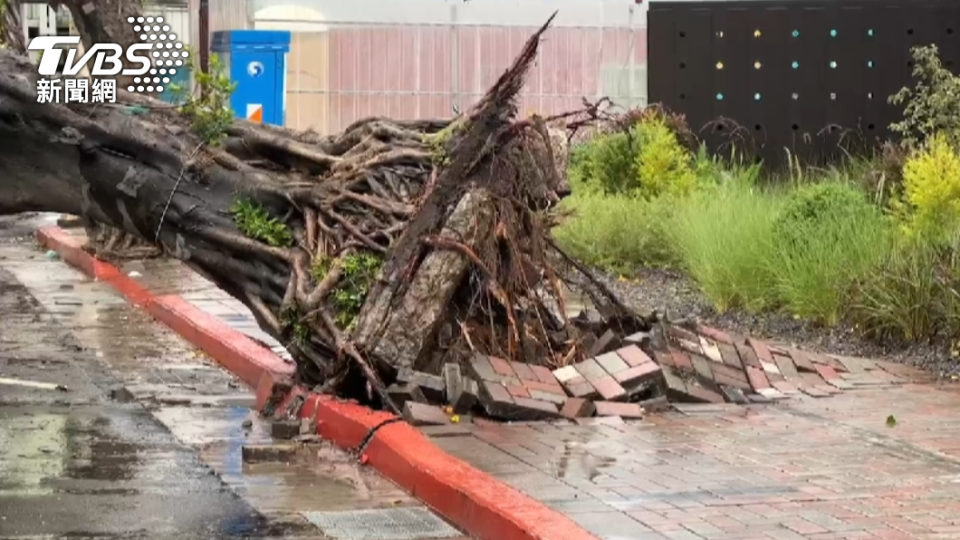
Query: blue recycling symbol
pixel 255 69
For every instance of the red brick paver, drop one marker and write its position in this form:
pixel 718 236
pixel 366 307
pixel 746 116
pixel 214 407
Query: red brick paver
pixel 806 468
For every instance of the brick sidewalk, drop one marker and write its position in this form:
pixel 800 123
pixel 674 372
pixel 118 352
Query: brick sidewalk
pixel 808 469
pixel 170 276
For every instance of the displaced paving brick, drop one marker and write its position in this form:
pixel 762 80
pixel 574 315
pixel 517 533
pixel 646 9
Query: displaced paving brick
pixel 612 363
pixel 552 397
pixel 607 342
pixel 432 386
pixel 771 393
pixel 582 390
pixel 590 370
pixel 770 367
pixel 452 381
pixel 534 409
pixel 468 397
pixel 710 350
pixel 757 378
pixel 785 387
pixel 577 408
pixel 495 399
pixel 812 379
pixel 757 398
pixel 730 373
pixel 692 347
pixel 734 394
pixel 638 339
pixel 802 360
pixel 681 359
pixel 702 367
pixel 543 374
pixel 678 332
pixel 748 356
pixel 482 368
pixel 786 367
pixel 261 453
pixel 502 367
pixel 518 391
pixel 814 391
pixel 524 372
pixel 704 395
pixel 759 347
pixel 826 372
pixel 609 388
pixel 675 385
pixel 715 334
pixel 637 374
pixel 284 429
pixel 663 358
pixel 401 393
pixel 567 374
pixel 857 365
pixel 840 384
pixel 730 355
pixel 634 356
pixel 553 388
pixel 657 404
pixel 623 410
pixel 422 414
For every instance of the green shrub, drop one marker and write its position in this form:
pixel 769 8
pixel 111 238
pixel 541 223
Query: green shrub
pixel 605 163
pixel 930 204
pixel 816 203
pixel 722 237
pixel 932 106
pixel 826 237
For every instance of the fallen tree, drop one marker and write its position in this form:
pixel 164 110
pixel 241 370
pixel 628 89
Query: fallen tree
pixel 395 244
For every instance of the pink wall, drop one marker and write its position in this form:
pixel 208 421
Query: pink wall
pixel 375 71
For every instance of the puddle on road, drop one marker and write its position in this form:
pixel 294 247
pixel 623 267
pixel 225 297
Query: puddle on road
pixel 44 452
pixel 322 477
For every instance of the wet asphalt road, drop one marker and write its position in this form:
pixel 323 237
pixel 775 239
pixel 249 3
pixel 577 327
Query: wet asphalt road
pixel 162 462
pixel 77 463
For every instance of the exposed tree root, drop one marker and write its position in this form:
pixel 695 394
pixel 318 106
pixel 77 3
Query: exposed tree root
pixel 393 244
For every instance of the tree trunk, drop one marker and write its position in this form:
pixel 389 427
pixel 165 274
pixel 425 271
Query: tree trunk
pixel 332 242
pixel 106 21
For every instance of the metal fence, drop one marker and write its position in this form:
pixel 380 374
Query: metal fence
pixel 429 58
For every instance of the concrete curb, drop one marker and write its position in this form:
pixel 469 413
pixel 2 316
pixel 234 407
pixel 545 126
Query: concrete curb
pixel 481 505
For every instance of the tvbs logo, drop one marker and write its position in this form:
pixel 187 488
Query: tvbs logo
pixel 158 48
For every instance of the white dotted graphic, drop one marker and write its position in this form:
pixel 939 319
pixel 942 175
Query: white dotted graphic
pixel 168 52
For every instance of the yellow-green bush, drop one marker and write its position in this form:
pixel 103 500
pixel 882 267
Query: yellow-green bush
pixel 644 161
pixel 662 165
pixel 930 204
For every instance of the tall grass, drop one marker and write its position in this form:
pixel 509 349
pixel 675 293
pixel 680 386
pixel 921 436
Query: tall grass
pixel 814 276
pixel 615 232
pixel 722 238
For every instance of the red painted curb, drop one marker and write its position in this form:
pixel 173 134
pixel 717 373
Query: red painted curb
pixel 481 505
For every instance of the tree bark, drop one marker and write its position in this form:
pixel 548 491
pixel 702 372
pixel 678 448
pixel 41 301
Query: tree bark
pixel 106 21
